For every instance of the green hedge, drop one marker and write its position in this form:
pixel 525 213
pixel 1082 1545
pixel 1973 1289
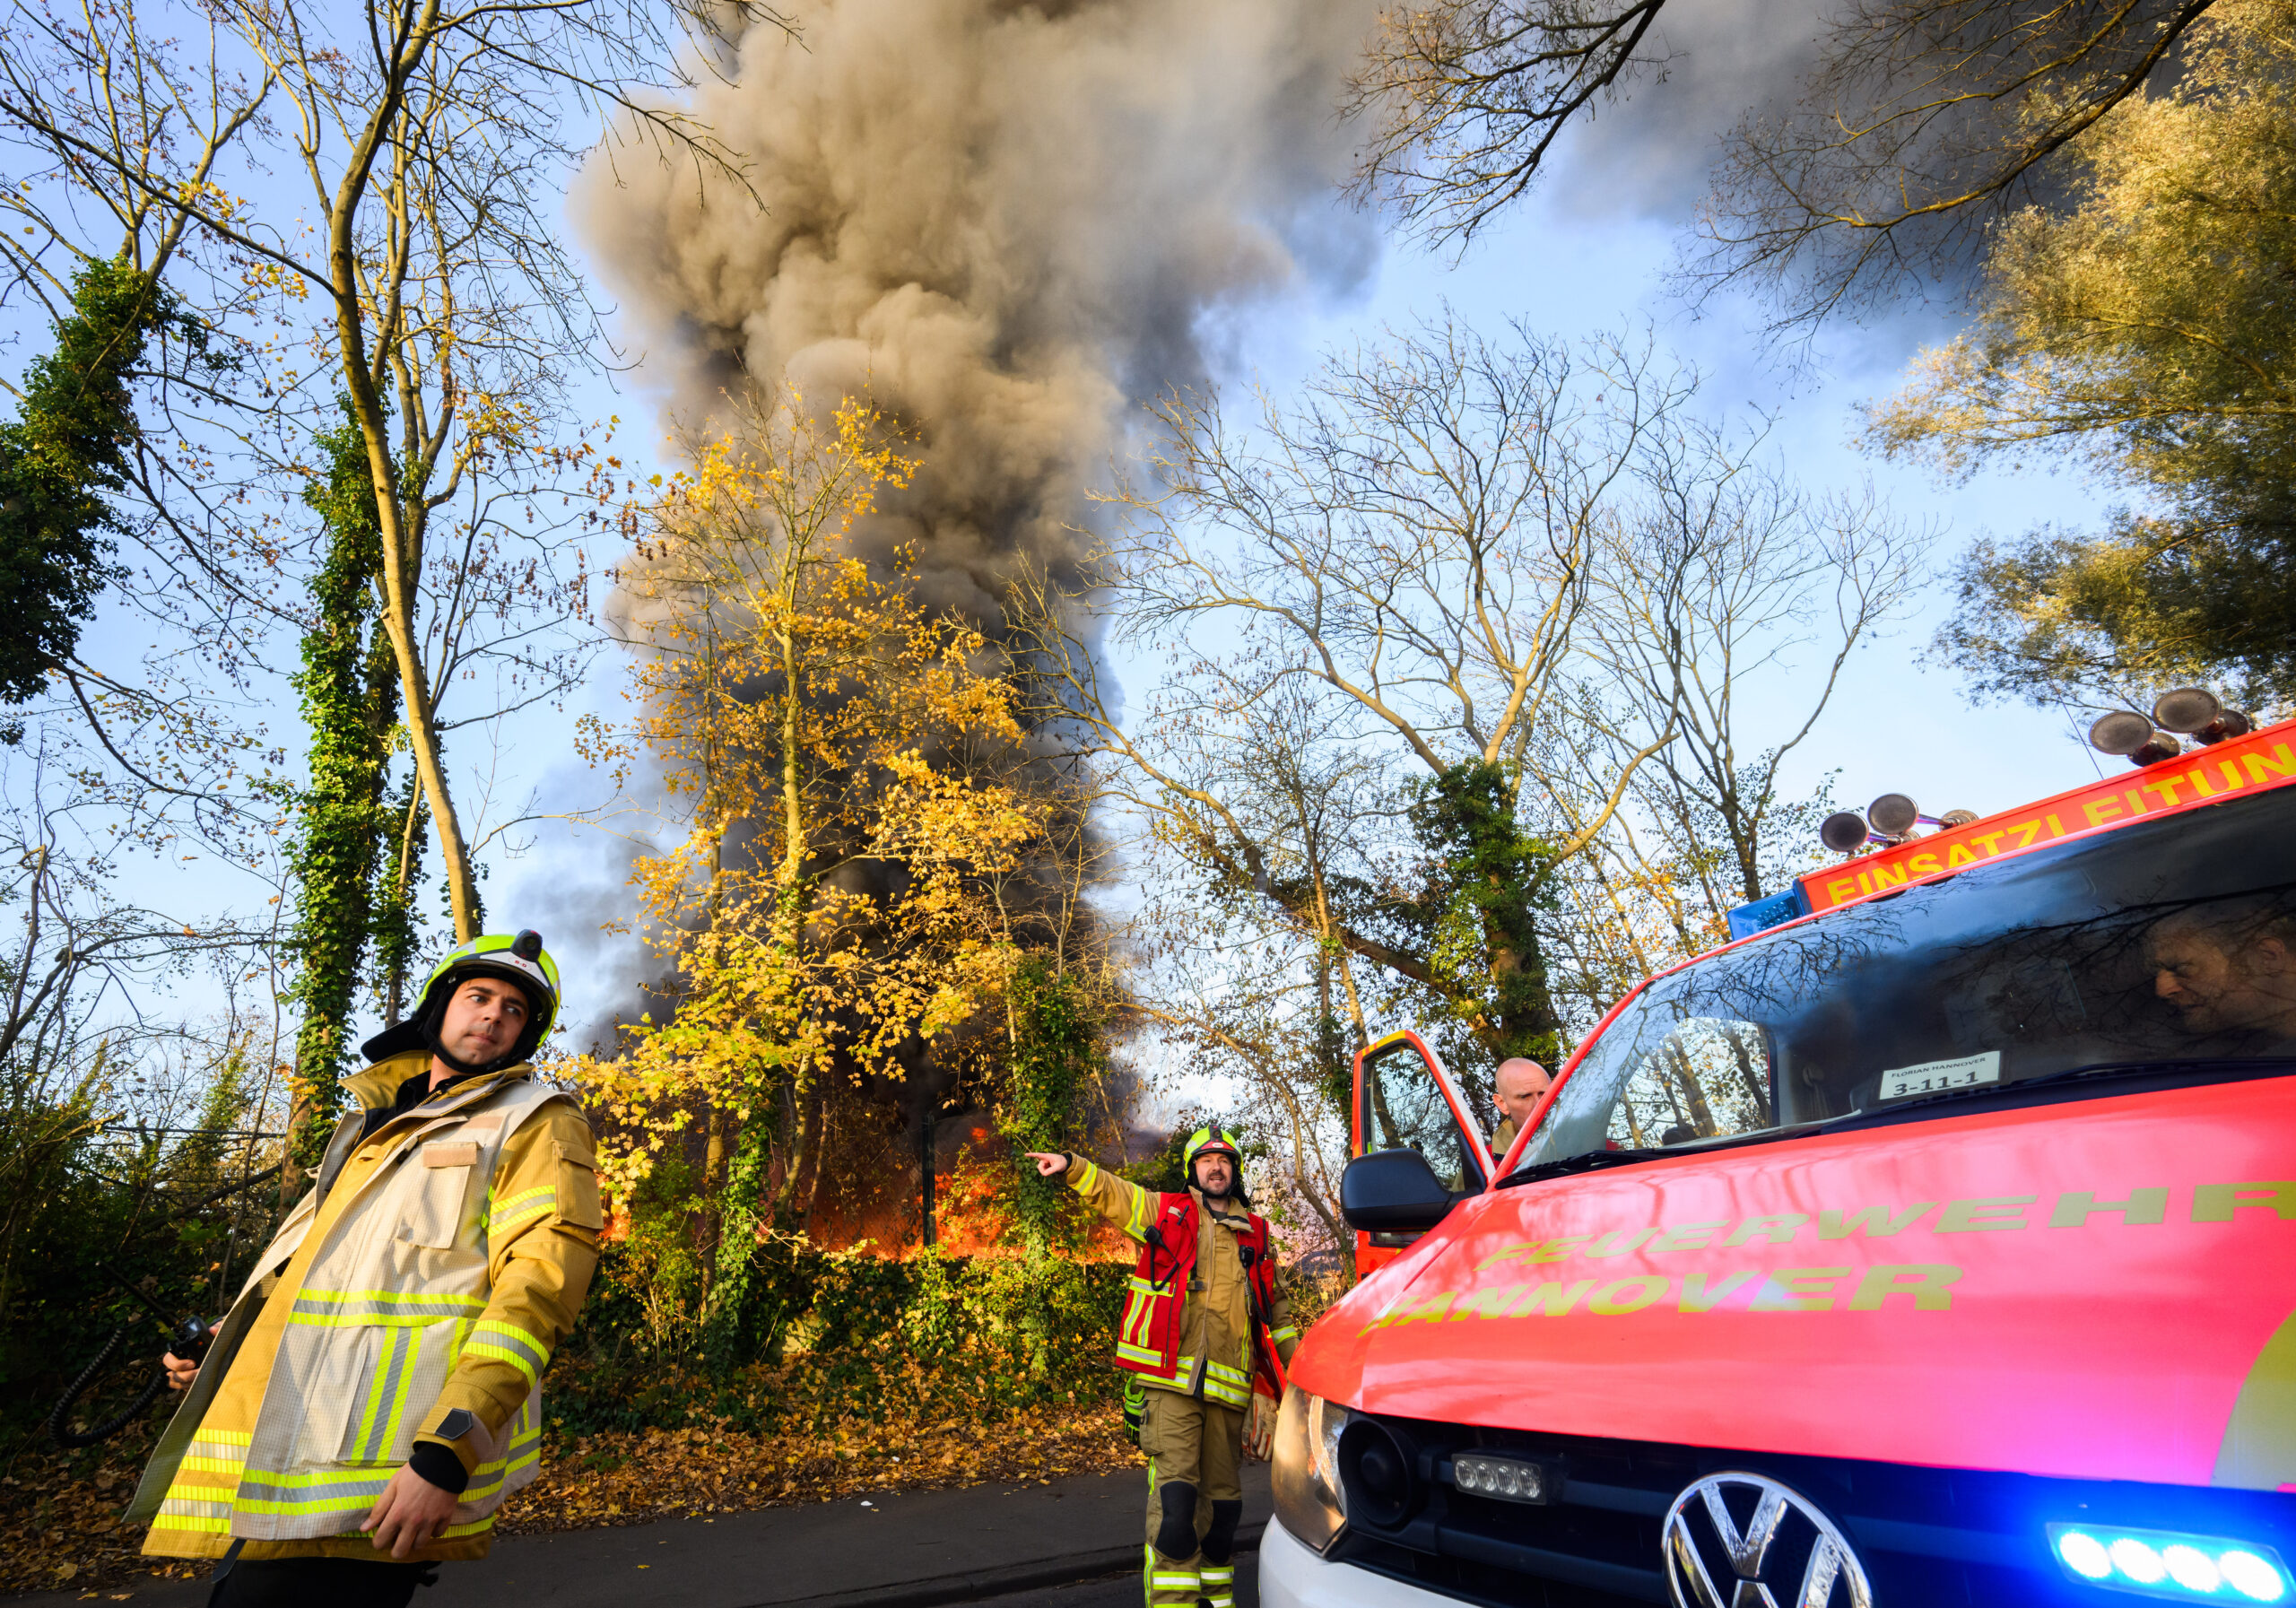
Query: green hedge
pixel 835 1335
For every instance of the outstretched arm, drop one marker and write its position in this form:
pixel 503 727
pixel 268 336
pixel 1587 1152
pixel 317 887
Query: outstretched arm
pixel 1122 1201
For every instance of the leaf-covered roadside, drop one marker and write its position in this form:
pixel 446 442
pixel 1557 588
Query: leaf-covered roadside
pixel 866 1374
pixel 59 1516
pixel 620 1478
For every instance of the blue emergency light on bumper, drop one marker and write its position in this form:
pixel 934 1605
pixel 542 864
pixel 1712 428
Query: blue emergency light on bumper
pixel 2170 1564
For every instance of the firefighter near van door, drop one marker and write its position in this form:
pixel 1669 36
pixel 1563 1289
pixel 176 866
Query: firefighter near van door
pixel 1206 1329
pixel 374 1393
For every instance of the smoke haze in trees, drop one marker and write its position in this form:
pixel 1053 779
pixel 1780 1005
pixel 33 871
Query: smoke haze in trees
pixel 1650 153
pixel 1010 222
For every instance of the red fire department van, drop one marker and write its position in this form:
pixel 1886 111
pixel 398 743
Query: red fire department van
pixel 1936 1245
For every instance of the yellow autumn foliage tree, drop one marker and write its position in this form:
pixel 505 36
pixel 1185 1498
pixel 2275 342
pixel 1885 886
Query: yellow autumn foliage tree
pixel 831 905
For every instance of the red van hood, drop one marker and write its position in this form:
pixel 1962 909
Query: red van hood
pixel 2100 1289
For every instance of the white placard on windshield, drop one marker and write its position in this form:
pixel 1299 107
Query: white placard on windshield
pixel 1935 1077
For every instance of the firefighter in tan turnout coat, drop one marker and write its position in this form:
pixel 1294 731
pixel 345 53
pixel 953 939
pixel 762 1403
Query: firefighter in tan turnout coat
pixel 375 1392
pixel 1203 1310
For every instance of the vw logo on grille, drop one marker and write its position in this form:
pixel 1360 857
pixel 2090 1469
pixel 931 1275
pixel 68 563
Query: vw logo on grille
pixel 1742 1541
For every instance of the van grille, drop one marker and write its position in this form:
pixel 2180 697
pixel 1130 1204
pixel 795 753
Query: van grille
pixel 1952 1538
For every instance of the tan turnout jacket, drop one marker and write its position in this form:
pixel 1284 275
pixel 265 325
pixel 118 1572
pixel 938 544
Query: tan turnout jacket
pixel 432 1267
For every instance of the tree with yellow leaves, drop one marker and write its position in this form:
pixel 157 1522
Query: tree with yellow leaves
pixel 835 902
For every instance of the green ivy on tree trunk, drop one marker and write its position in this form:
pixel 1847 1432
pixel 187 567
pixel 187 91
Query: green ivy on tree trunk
pixel 1487 889
pixel 67 449
pixel 350 695
pixel 1057 1048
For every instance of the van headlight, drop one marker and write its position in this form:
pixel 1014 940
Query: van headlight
pixel 1308 1499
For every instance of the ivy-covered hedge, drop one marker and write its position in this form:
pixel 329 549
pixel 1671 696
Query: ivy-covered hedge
pixel 832 1336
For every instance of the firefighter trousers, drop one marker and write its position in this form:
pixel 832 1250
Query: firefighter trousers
pixel 1197 1446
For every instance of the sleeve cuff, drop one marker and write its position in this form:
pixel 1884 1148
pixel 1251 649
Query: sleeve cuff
pixel 435 1461
pixel 1080 1174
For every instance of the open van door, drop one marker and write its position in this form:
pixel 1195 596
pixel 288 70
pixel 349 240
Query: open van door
pixel 1406 1101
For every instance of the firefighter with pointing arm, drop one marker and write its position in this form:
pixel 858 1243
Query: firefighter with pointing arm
pixel 376 1391
pixel 1203 1311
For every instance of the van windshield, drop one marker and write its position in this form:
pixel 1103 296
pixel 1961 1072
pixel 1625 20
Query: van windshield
pixel 2171 941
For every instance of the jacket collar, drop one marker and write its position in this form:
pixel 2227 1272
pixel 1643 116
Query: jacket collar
pixel 1233 1215
pixel 376 1088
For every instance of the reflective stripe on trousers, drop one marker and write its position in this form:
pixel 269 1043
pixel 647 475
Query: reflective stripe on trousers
pixel 1169 1585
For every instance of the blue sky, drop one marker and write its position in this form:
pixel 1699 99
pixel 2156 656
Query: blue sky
pixel 1581 255
pixel 1588 251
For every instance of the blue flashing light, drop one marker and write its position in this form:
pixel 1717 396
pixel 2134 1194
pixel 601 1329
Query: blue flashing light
pixel 1763 913
pixel 2170 1564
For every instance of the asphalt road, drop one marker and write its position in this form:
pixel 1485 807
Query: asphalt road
pixel 1122 1591
pixel 1020 1545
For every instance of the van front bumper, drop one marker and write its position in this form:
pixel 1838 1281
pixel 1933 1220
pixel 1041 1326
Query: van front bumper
pixel 1291 1576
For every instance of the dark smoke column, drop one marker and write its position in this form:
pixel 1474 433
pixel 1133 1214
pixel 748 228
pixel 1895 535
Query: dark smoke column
pixel 1009 221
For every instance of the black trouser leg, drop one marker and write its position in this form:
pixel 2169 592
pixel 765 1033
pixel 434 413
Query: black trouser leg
pixel 1220 1541
pixel 318 1583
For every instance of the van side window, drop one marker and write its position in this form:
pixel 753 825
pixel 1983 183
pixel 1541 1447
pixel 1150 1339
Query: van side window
pixel 1710 1078
pixel 1404 1110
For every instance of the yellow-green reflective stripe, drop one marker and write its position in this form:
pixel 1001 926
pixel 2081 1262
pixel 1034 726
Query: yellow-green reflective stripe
pixel 525 1206
pixel 1219 1575
pixel 197 1498
pixel 367 1478
pixel 378 1388
pixel 515 1346
pixel 392 1297
pixel 208 1527
pixel 223 1438
pixel 1288 1332
pixel 1136 1353
pixel 516 1359
pixel 534 1348
pixel 370 1320
pixel 213 1466
pixel 351 1502
pixel 453 1532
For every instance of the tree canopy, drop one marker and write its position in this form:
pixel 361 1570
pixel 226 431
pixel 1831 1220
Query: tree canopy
pixel 2143 330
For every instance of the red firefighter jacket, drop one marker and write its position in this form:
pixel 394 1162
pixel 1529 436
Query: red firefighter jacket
pixel 1223 1362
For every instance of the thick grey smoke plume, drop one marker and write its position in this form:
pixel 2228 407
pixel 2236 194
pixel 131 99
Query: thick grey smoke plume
pixel 1009 222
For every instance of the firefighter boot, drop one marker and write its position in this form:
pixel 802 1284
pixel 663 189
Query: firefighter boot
pixel 1172 1577
pixel 1219 1572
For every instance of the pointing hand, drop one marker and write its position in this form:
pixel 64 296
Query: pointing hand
pixel 1049 1163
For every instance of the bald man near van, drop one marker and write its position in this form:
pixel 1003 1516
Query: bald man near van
pixel 1517 1088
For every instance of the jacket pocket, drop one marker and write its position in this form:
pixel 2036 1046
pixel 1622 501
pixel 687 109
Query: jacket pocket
pixel 578 1205
pixel 435 1186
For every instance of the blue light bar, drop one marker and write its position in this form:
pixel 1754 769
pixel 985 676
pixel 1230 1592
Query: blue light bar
pixel 1763 913
pixel 2171 1564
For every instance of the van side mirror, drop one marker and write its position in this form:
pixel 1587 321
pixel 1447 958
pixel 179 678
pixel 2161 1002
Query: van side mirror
pixel 1392 1192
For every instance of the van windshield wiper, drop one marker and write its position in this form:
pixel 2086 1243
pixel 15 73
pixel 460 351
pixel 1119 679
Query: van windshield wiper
pixel 2098 1071
pixel 1596 1160
pixel 1593 1160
